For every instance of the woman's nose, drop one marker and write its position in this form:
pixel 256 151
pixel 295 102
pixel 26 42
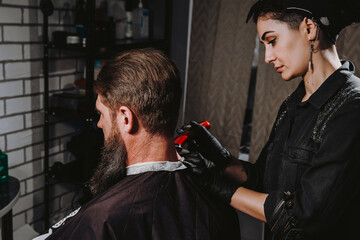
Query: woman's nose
pixel 269 55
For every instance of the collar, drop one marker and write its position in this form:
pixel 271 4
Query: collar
pixel 154 167
pixel 326 90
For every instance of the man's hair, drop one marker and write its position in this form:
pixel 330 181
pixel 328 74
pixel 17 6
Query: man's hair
pixel 147 82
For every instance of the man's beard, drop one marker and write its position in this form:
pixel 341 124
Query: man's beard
pixel 112 166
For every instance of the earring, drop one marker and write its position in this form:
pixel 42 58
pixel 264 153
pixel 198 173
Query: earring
pixel 310 58
pixel 310 66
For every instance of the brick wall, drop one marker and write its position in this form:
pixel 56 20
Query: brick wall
pixel 21 105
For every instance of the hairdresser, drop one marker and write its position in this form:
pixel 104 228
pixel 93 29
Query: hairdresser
pixel 306 182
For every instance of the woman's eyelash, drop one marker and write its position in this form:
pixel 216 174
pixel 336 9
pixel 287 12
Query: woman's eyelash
pixel 272 41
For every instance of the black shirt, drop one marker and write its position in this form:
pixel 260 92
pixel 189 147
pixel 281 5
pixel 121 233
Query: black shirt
pixel 310 165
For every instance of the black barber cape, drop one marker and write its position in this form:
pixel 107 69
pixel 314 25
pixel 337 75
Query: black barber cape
pixel 165 204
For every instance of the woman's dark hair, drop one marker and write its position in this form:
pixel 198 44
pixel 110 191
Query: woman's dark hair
pixel 274 10
pixel 331 15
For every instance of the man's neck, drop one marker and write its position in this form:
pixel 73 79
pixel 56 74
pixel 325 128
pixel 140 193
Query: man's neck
pixel 150 148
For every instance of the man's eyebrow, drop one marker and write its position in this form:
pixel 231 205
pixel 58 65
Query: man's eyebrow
pixel 264 35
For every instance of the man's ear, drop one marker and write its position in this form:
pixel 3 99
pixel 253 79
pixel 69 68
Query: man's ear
pixel 310 28
pixel 125 119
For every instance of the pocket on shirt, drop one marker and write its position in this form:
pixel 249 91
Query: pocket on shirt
pixel 295 162
pixel 298 155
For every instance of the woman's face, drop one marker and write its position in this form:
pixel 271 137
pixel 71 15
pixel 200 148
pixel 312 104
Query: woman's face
pixel 286 48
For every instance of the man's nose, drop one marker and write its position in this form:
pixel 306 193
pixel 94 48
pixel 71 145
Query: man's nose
pixel 99 124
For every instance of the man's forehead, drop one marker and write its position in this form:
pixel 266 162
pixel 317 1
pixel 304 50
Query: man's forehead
pixel 99 102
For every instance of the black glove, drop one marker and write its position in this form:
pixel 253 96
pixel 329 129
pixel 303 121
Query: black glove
pixel 210 177
pixel 202 141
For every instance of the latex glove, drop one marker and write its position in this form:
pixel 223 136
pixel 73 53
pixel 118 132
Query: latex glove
pixel 210 177
pixel 202 141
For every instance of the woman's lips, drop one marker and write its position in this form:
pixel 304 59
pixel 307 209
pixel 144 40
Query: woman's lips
pixel 278 68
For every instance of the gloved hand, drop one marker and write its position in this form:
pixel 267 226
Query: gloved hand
pixel 204 142
pixel 210 177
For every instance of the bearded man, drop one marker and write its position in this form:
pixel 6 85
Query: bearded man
pixel 141 189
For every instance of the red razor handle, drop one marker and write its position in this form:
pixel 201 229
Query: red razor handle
pixel 180 140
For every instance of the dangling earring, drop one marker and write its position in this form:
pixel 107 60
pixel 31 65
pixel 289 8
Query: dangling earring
pixel 310 66
pixel 310 59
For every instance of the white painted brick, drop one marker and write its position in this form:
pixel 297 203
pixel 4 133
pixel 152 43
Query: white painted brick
pixel 30 185
pixel 28 86
pixel 29 15
pixel 18 105
pixel 36 102
pixel 21 2
pixel 17 70
pixel 1 71
pixel 62 66
pixel 38 197
pixel 10 15
pixel 2 142
pixel 32 16
pixel 21 33
pixel 2 111
pixel 34 152
pixel 19 139
pixel 16 157
pixel 23 171
pixel 11 89
pixel 38 85
pixel 10 51
pixel 38 135
pixel 35 214
pixel 38 166
pixel 41 101
pixel 19 220
pixel 34 119
pixel 23 69
pixel 16 33
pixel 33 51
pixel 27 170
pixel 22 188
pixel 17 2
pixel 24 203
pixel 35 183
pixel 10 124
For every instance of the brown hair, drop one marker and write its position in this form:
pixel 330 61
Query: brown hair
pixel 147 82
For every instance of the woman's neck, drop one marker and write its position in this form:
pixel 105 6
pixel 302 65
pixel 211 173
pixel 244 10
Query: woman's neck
pixel 324 63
